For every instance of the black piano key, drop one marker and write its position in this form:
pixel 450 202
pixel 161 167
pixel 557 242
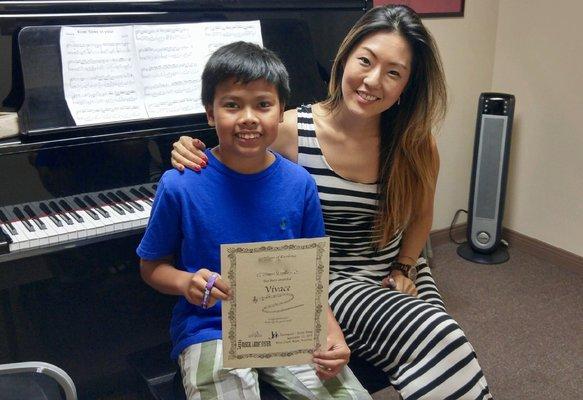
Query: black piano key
pixel 146 192
pixel 155 186
pixel 93 204
pixel 58 210
pixel 44 208
pixel 84 206
pixel 70 210
pixel 141 196
pixel 5 241
pixel 30 211
pixel 4 237
pixel 127 199
pixel 120 202
pixel 35 218
pixel 110 203
pixel 7 223
pixel 23 219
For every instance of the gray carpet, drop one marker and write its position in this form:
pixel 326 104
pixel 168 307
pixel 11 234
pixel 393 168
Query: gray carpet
pixel 524 318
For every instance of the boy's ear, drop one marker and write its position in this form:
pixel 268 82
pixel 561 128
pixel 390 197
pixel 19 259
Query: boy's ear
pixel 210 115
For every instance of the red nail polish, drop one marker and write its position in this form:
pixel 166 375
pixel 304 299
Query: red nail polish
pixel 203 163
pixel 197 168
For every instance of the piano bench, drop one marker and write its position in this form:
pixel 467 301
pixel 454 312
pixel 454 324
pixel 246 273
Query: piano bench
pixel 161 375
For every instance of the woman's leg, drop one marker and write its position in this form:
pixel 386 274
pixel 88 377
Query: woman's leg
pixel 426 287
pixel 300 382
pixel 204 377
pixel 422 349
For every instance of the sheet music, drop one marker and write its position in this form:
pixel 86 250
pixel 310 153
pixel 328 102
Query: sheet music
pixel 143 71
pixel 169 68
pixel 217 34
pixel 100 76
pixel 172 58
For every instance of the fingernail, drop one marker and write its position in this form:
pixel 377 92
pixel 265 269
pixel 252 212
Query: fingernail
pixel 197 168
pixel 203 163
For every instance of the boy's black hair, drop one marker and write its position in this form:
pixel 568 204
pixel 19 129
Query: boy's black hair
pixel 246 62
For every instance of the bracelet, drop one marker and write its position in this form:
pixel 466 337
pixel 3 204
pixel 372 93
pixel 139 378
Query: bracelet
pixel 207 290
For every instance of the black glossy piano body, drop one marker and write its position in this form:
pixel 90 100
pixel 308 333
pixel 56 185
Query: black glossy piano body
pixel 70 292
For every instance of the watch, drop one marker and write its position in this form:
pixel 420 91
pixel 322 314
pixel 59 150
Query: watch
pixel 410 271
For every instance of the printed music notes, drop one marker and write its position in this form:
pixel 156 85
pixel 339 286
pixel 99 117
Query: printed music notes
pixel 100 74
pixel 120 73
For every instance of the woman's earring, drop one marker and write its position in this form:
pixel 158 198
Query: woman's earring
pixel 399 101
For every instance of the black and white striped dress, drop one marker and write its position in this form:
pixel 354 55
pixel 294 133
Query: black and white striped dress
pixel 422 349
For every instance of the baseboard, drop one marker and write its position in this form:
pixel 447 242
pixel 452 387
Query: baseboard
pixel 441 236
pixel 535 247
pixel 541 249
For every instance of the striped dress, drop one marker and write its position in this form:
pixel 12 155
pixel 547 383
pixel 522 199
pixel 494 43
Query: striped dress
pixel 423 350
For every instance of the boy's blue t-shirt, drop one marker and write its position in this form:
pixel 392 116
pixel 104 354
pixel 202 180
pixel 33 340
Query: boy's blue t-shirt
pixel 194 213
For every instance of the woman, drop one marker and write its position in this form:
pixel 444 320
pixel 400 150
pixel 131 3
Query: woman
pixel 370 149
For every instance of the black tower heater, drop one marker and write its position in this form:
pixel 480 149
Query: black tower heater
pixel 488 185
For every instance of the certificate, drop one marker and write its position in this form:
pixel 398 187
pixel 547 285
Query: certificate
pixel 278 312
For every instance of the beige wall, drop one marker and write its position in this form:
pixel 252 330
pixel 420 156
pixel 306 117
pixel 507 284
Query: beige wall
pixel 539 58
pixel 531 49
pixel 467 46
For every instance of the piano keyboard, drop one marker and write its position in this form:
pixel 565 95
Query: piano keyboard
pixel 52 223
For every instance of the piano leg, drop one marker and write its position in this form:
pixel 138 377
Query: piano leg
pixel 9 345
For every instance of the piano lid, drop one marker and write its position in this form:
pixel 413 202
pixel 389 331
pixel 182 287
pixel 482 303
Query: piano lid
pixel 305 34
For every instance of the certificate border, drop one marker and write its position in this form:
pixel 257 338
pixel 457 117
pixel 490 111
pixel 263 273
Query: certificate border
pixel 321 248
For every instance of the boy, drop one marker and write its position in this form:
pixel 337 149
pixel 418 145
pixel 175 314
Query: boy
pixel 247 194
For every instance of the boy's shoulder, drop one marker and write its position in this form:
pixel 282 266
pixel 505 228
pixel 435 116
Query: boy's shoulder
pixel 293 168
pixel 174 180
pixel 295 173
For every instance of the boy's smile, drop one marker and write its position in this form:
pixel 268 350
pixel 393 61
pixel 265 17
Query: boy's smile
pixel 246 118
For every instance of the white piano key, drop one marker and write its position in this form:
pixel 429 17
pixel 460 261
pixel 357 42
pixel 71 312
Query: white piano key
pixel 22 233
pixel 139 217
pixel 51 233
pixel 31 241
pixel 84 228
pixel 54 233
pixel 134 217
pixel 121 221
pixel 17 237
pixel 79 230
pixel 144 214
pixel 88 225
pixel 40 235
pixel 105 221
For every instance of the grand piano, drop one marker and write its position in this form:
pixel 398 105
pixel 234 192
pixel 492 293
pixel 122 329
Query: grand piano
pixel 75 199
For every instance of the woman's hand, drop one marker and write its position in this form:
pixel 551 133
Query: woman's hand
pixel 330 362
pixel 188 152
pixel 194 289
pixel 397 281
